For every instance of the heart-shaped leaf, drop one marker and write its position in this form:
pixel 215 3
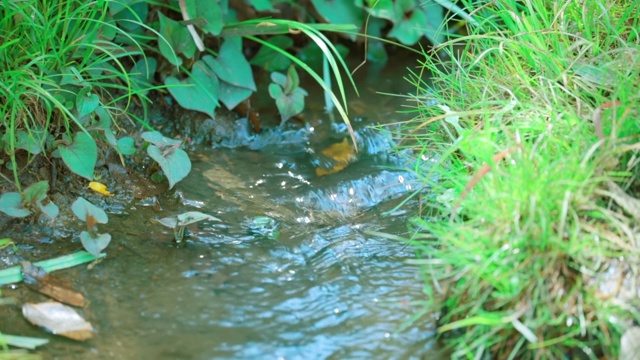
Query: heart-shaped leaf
pixel 83 208
pixel 174 162
pixel 210 11
pixel 159 140
pixel 81 156
pixel 231 66
pixel 198 92
pixel 36 192
pixel 288 105
pixel 340 12
pixel 271 60
pixel 409 29
pixel 86 102
pixel 174 37
pixel 231 95
pixel 11 204
pixel 51 210
pixel 126 146
pixel 94 245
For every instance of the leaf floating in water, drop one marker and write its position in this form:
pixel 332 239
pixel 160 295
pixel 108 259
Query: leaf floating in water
pixel 59 319
pixel 341 155
pixel 36 278
pixel 100 188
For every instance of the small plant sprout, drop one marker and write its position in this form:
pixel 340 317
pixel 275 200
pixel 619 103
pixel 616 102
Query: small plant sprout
pixel 93 242
pixel 180 222
pixel 16 205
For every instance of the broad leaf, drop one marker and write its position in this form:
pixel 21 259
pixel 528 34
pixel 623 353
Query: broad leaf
pixel 382 9
pixel 32 141
pixel 51 210
pixel 231 95
pixel 94 245
pixel 210 11
pixel 159 140
pixel 11 204
pixel 340 12
pixel 198 92
pixel 80 157
pixel 231 66
pixel 81 208
pixel 409 29
pixel 141 74
pixel 270 59
pixel 179 40
pixel 174 162
pixel 86 102
pixel 129 17
pixel 36 192
pixel 126 146
pixel 288 105
pixel 262 5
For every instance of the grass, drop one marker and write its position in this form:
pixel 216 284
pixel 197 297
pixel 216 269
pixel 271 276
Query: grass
pixel 59 58
pixel 537 123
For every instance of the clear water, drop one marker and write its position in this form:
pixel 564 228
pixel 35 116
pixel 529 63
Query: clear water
pixel 326 287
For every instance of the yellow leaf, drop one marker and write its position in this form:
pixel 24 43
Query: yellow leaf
pixel 99 188
pixel 341 154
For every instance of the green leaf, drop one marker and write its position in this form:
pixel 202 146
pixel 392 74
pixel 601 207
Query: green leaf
pixel 127 16
pixel 81 208
pixel 279 78
pixel 23 342
pixel 231 66
pixel 434 19
pixel 210 11
pixel 86 102
pixel 179 40
pixel 32 142
pixel 126 146
pixel 174 162
pixel 11 204
pixel 105 125
pixel 159 140
pixel 198 92
pixel 409 29
pixel 94 245
pixel 293 81
pixel 270 59
pixel 340 12
pixel 51 210
pixel 81 156
pixel 262 5
pixel 231 95
pixel 288 105
pixel 382 9
pixel 14 273
pixel 141 74
pixel 36 192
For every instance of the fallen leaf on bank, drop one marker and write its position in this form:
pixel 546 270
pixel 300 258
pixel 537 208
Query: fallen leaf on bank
pixel 36 278
pixel 100 188
pixel 59 319
pixel 341 155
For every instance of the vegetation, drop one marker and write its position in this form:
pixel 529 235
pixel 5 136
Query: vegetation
pixel 529 244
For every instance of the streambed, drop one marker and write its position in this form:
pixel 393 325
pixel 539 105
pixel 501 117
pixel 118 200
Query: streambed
pixel 315 282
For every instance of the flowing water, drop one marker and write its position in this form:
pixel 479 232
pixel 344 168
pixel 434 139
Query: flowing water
pixel 294 269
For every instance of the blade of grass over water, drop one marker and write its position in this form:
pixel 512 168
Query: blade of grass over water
pixel 14 274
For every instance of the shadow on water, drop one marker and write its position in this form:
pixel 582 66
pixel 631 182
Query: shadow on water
pixel 316 285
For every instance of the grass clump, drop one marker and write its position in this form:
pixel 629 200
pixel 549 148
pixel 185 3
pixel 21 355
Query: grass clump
pixel 537 120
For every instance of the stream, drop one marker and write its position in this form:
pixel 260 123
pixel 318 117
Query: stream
pixel 295 269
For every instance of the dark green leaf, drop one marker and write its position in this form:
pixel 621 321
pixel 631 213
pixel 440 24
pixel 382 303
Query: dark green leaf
pixel 51 210
pixel 382 9
pixel 141 74
pixel 262 5
pixel 293 81
pixel 86 102
pixel 270 59
pixel 32 142
pixel 80 157
pixel 129 17
pixel 340 12
pixel 288 105
pixel 410 29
